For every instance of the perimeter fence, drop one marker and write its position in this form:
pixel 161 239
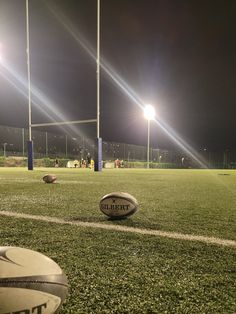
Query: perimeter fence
pixel 13 142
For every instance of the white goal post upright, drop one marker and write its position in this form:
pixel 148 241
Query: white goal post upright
pixel 30 142
pixel 98 144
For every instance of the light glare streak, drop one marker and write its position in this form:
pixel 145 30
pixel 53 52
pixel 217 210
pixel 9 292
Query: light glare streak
pixel 39 100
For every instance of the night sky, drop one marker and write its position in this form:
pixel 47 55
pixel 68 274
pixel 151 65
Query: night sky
pixel 178 55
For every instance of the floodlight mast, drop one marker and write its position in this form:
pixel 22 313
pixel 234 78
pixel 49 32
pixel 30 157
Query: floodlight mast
pixel 1 57
pixel 30 143
pixel 149 114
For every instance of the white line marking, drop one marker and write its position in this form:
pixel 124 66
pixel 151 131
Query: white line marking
pixel 165 234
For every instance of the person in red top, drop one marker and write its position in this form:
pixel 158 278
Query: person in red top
pixel 117 163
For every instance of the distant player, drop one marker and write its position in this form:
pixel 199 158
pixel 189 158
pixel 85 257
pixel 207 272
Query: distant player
pixel 56 163
pixel 117 163
pixel 88 160
pixel 76 163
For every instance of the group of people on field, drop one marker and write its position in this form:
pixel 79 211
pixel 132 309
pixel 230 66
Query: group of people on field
pixel 88 162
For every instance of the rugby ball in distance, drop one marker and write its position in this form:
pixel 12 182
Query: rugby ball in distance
pixel 30 282
pixel 49 178
pixel 118 205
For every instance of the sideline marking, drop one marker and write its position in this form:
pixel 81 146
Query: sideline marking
pixel 165 234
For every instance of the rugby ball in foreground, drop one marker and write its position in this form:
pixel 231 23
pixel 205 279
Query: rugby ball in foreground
pixel 30 282
pixel 118 205
pixel 49 178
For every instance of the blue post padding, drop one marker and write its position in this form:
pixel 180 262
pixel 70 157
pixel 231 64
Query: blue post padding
pixel 30 155
pixel 98 155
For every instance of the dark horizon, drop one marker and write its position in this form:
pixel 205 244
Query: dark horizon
pixel 180 57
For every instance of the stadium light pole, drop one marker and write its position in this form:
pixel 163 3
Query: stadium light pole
pixel 149 114
pixel 30 143
pixel 4 149
pixel 23 142
pixel 1 56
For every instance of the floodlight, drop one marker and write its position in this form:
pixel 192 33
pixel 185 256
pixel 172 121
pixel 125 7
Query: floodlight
pixel 149 112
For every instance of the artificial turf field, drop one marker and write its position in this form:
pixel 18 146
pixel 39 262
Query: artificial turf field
pixel 112 271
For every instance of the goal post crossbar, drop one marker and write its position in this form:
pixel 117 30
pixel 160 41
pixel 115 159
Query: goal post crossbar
pixel 35 125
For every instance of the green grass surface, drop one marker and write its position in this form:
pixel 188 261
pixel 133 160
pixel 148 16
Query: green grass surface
pixel 116 272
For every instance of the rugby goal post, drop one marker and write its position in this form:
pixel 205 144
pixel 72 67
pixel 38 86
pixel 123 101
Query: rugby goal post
pixel 98 142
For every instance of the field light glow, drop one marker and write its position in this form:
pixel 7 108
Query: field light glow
pixel 21 85
pixel 149 112
pixel 107 68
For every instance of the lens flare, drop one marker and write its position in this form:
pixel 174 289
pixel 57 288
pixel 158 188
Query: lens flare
pixel 122 84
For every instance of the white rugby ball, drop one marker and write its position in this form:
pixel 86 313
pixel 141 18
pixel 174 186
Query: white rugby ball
pixel 118 205
pixel 30 282
pixel 49 178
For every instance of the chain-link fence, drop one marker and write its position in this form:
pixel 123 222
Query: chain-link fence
pixel 13 142
pixel 46 144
